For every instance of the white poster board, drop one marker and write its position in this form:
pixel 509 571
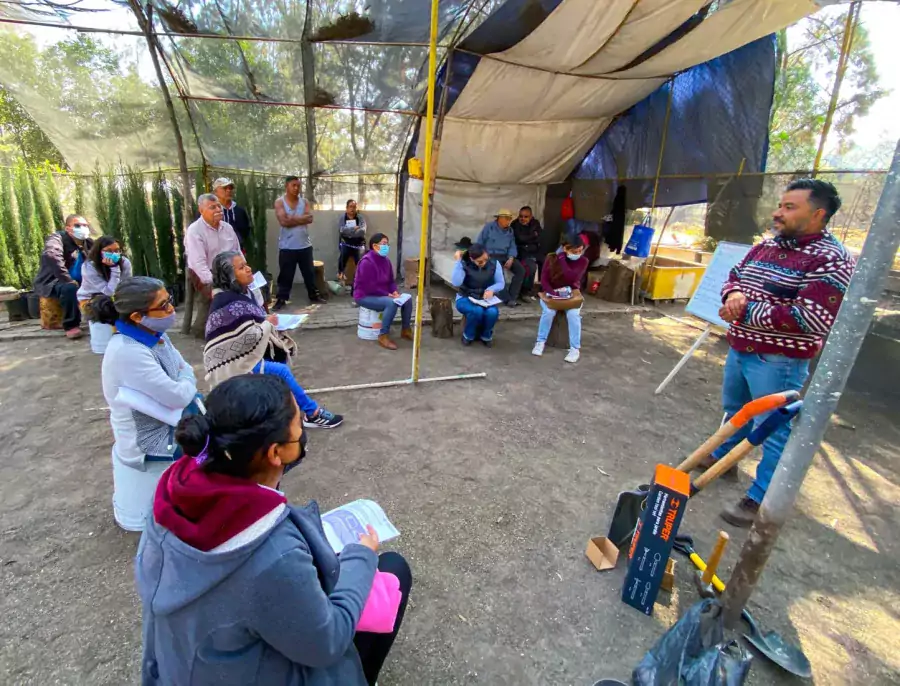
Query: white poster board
pixel 707 299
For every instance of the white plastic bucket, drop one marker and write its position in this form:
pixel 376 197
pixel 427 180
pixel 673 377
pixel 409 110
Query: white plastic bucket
pixel 100 335
pixel 369 324
pixel 133 492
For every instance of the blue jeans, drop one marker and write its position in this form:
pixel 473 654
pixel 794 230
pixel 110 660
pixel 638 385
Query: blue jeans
pixel 386 304
pixel 574 317
pixel 749 376
pixel 478 318
pixel 307 405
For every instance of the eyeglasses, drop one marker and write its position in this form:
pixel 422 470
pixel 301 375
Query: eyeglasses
pixel 164 306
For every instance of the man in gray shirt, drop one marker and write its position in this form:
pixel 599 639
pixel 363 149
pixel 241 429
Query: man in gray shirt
pixel 294 247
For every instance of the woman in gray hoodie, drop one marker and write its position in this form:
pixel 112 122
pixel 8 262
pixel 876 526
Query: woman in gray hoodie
pixel 238 586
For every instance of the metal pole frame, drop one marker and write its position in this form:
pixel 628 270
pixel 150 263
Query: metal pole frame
pixel 825 390
pixel 426 201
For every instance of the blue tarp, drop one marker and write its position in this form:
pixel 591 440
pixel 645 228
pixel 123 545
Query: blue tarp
pixel 720 114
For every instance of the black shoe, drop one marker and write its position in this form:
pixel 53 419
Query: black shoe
pixel 465 341
pixel 318 300
pixel 488 344
pixel 323 419
pixel 512 303
pixel 279 305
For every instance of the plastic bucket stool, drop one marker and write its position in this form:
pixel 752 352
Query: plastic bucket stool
pixel 100 335
pixel 369 326
pixel 639 243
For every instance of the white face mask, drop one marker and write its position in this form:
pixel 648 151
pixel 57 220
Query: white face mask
pixel 81 232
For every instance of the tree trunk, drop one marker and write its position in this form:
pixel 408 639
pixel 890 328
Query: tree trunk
pixel 308 63
pixel 441 318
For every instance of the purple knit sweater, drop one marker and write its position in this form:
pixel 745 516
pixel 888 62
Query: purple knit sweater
pixel 374 276
pixel 794 287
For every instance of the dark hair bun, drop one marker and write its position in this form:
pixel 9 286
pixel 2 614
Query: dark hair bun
pixel 101 309
pixel 192 433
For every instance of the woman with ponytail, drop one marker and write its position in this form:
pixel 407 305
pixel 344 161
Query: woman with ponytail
pixel 240 587
pixel 146 382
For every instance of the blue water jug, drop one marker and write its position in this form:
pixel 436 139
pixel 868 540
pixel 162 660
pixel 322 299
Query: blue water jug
pixel 639 243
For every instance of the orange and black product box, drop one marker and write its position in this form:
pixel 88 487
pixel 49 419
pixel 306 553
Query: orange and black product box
pixel 653 539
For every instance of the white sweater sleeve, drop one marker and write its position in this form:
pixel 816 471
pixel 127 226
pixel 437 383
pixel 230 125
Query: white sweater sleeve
pixel 146 375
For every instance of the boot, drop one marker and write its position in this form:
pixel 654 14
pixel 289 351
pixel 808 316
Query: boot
pixel 407 334
pixel 385 342
pixel 742 514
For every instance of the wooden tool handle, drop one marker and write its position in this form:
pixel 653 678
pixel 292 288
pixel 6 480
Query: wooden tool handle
pixel 738 453
pixel 726 431
pixel 714 559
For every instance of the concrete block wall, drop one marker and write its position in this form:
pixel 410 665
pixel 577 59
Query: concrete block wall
pixel 323 233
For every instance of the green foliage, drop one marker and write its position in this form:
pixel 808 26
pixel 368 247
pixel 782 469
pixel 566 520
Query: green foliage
pixel 10 221
pixel 29 227
pixel 52 193
pixel 257 203
pixel 162 220
pixel 80 205
pixel 178 213
pixel 20 137
pixel 45 219
pixel 138 217
pixel 801 102
pixel 9 275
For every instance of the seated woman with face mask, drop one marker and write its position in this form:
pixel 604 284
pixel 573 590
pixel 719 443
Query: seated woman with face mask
pixel 237 585
pixel 560 283
pixel 101 273
pixel 241 338
pixel 376 289
pixel 147 385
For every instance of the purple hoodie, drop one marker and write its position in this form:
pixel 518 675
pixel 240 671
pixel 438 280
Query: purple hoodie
pixel 374 277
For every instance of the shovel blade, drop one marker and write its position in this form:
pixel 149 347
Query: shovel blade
pixel 787 656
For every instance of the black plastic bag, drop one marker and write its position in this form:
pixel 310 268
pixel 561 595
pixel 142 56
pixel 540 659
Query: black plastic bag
pixel 692 653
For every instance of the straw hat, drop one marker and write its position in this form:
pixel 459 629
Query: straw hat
pixel 504 213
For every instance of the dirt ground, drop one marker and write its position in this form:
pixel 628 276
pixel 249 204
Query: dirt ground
pixel 495 484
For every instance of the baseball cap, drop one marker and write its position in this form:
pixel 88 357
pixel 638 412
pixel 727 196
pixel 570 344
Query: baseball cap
pixel 222 183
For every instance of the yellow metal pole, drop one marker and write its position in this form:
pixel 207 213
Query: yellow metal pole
pixel 423 235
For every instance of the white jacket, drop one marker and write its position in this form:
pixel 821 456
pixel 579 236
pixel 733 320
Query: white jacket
pixel 158 371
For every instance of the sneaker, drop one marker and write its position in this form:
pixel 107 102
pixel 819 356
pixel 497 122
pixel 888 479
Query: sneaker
pixel 489 343
pixel 574 354
pixel 279 305
pixel 465 341
pixel 74 333
pixel 323 419
pixel 742 514
pixel 538 348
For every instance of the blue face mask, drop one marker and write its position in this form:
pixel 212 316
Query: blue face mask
pixel 383 250
pixel 573 257
pixel 113 257
pixel 159 324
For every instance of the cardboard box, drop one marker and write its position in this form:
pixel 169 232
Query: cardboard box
pixel 602 553
pixel 654 537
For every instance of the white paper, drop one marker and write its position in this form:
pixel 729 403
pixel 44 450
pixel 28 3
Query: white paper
pixel 487 303
pixel 258 280
pixel 143 403
pixel 350 224
pixel 344 524
pixel 286 322
pixel 402 298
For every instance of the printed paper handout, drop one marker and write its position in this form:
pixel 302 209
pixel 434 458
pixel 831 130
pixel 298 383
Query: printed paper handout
pixel 493 300
pixel 143 403
pixel 344 524
pixel 402 298
pixel 286 322
pixel 259 280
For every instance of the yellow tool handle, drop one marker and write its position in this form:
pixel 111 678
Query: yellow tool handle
pixel 717 583
pixel 714 558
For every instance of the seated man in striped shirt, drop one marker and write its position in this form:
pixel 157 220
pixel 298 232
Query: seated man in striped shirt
pixel 780 301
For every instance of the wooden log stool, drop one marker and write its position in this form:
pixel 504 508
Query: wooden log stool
pixel 51 314
pixel 411 271
pixel 349 271
pixel 559 331
pixel 321 286
pixel 441 318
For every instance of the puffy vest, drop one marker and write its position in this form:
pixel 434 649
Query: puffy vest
pixel 477 279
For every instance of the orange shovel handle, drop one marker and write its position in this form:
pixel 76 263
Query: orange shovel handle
pixel 762 405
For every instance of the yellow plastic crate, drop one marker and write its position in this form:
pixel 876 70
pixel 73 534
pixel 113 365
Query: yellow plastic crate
pixel 671 279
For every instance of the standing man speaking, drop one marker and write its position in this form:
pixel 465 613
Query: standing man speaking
pixel 294 247
pixel 780 302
